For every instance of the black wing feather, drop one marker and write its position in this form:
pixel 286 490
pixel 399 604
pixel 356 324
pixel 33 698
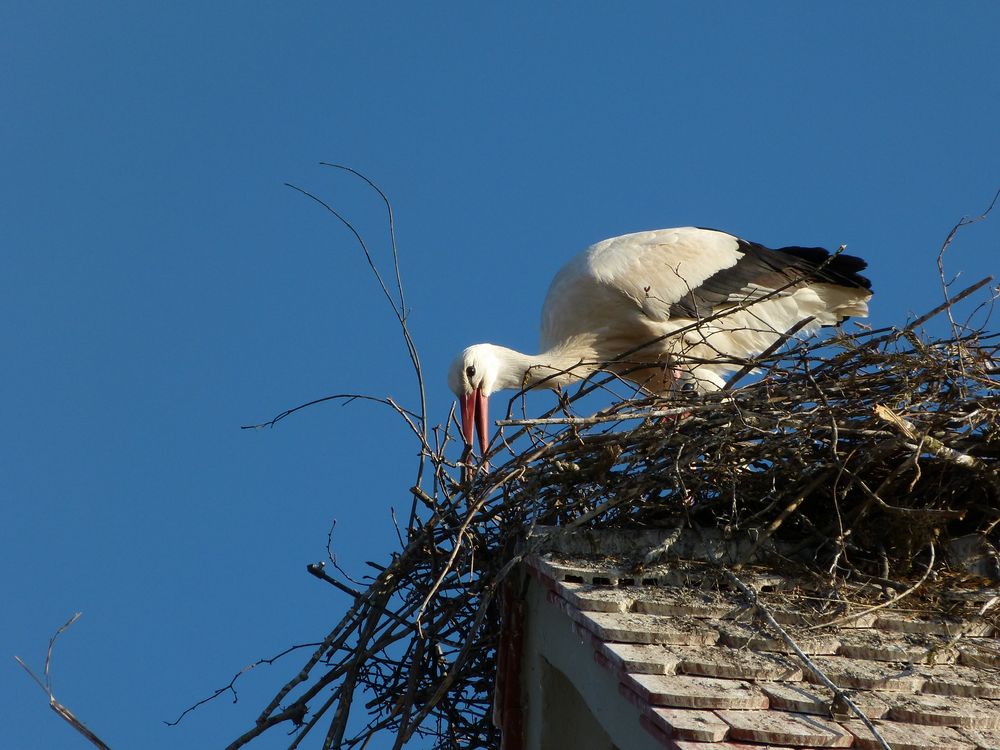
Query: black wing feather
pixel 772 269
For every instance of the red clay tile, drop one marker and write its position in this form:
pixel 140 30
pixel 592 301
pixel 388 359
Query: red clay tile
pixel 691 745
pixel 952 679
pixel 867 675
pixel 907 737
pixel 731 663
pixel 901 623
pixel 688 603
pixel 689 724
pixel 980 652
pixel 815 699
pixel 636 628
pixel 905 647
pixel 785 728
pixel 640 658
pixel 974 713
pixel 592 598
pixel 984 739
pixel 742 636
pixel 696 692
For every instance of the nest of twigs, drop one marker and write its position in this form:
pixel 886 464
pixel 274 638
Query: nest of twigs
pixel 862 455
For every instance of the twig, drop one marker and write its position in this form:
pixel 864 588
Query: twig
pixel 883 605
pixel 46 687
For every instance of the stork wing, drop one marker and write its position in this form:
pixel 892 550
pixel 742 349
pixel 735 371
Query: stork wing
pixel 641 285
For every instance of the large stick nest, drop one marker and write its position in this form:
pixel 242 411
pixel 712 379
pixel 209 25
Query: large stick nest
pixel 855 458
pixel 857 453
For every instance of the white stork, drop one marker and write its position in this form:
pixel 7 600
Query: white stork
pixel 732 298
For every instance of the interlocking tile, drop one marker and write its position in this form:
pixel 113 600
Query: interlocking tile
pixel 742 636
pixel 974 713
pixel 785 728
pixel 952 679
pixel 587 596
pixel 815 699
pixel 869 675
pixel 636 628
pixel 689 603
pixel 939 626
pixel 980 652
pixel 695 692
pixel 802 610
pixel 641 658
pixel 689 724
pixel 908 737
pixel 984 739
pixel 904 647
pixel 692 745
pixel 722 661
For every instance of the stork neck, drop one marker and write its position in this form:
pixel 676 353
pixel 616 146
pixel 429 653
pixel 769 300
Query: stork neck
pixel 554 368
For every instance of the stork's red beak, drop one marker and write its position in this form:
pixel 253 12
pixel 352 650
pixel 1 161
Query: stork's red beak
pixel 475 415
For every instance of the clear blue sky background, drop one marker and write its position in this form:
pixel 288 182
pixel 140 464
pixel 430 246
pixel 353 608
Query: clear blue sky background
pixel 159 287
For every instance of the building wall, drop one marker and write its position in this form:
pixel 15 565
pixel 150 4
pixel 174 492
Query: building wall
pixel 569 701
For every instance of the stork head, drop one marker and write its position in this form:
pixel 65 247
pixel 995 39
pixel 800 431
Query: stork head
pixel 473 377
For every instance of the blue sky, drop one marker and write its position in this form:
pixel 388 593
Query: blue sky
pixel 160 287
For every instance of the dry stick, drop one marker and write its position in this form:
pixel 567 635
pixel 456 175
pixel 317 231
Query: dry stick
pixel 839 694
pixel 399 312
pixel 940 264
pixel 46 686
pixel 338 724
pixel 936 311
pixel 783 516
pixel 603 418
pixel 749 367
pixel 933 445
pixel 869 610
pixel 411 686
pixel 470 516
pixel 347 398
pixel 452 674
pixel 404 315
pixel 231 687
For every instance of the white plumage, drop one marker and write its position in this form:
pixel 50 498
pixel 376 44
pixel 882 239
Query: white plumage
pixel 732 298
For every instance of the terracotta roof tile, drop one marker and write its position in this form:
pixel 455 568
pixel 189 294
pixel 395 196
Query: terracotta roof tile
pixel 908 737
pixel 980 652
pixel 802 610
pixel 974 713
pixel 587 596
pixel 952 679
pixel 742 636
pixel 641 658
pixel 815 699
pixel 984 739
pixel 637 628
pixel 909 624
pixel 722 661
pixel 675 602
pixel 695 692
pixel 868 675
pixel 692 745
pixel 785 728
pixel 903 647
pixel 689 724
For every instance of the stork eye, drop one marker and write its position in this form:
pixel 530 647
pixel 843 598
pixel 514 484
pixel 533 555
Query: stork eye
pixel 470 371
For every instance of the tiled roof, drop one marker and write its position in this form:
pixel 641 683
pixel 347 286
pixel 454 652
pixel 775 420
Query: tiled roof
pixel 705 674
